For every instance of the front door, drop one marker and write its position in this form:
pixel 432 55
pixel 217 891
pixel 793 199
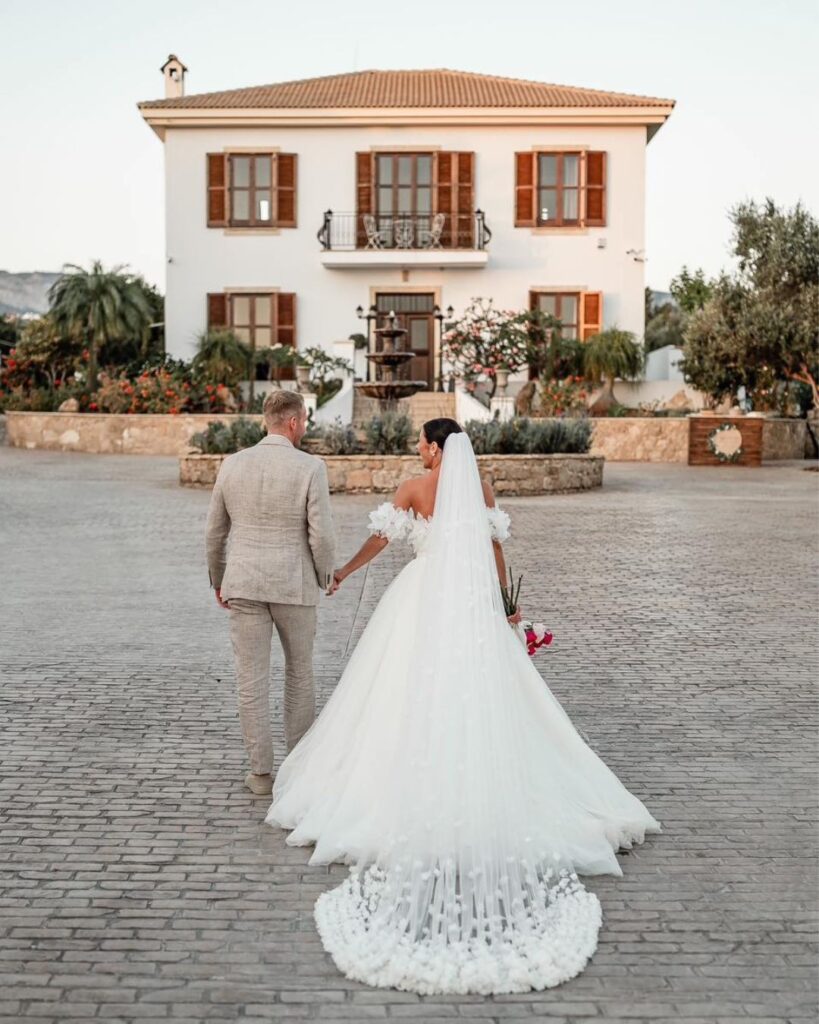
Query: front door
pixel 414 312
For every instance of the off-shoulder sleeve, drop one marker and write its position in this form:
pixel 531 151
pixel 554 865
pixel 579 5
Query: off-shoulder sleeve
pixel 498 523
pixel 389 522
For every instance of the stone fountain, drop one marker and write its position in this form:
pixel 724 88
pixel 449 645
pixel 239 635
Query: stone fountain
pixel 388 359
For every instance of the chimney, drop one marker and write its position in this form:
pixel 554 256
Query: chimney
pixel 174 71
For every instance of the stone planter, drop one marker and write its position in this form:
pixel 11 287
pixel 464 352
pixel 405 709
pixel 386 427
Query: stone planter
pixel 302 377
pixel 381 474
pixel 502 377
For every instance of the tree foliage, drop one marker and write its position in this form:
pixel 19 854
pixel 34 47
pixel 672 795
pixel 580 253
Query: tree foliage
pixel 100 308
pixel 691 291
pixel 666 327
pixel 759 327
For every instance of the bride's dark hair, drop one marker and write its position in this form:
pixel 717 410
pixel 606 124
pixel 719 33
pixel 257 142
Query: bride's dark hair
pixel 438 430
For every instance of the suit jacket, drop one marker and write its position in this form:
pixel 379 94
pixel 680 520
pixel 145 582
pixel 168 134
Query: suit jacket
pixel 270 530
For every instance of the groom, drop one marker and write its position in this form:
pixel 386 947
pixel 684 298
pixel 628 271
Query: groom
pixel 273 502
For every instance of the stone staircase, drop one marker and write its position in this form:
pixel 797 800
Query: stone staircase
pixel 423 406
pixel 429 405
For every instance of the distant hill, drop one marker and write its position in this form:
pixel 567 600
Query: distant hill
pixel 25 292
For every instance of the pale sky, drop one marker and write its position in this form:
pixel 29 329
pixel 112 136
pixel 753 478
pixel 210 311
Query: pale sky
pixel 81 174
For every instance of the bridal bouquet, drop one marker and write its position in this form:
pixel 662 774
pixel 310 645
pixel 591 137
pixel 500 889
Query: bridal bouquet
pixel 532 635
pixel 537 635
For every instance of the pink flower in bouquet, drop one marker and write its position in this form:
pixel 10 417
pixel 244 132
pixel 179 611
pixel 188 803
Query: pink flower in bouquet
pixel 536 636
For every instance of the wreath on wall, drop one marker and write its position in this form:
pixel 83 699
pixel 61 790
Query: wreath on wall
pixel 725 453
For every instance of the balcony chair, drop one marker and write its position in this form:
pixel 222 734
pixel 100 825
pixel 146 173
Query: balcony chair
pixel 376 237
pixel 430 238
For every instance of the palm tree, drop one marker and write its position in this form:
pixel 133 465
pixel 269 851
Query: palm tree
pixel 226 359
pixel 98 305
pixel 611 353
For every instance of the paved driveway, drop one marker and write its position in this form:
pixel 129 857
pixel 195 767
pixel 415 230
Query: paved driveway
pixel 138 881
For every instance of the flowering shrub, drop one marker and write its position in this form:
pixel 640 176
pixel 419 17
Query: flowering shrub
pixel 565 397
pixel 27 384
pixel 169 388
pixel 483 341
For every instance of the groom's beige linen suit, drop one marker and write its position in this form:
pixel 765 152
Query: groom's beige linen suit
pixel 270 546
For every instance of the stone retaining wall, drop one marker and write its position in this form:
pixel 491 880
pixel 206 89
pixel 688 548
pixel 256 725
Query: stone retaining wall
pixel 783 439
pixel 665 439
pixel 105 433
pixel 381 474
pixel 640 439
pixel 618 439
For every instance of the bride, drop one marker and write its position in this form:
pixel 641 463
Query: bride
pixel 444 771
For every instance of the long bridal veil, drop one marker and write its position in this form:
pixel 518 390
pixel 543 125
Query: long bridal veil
pixel 473 887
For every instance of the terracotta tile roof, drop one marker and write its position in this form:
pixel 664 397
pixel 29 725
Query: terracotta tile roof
pixel 421 89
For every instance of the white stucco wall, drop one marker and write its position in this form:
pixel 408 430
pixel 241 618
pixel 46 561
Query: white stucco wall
pixel 202 259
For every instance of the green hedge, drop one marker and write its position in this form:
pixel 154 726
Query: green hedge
pixel 530 437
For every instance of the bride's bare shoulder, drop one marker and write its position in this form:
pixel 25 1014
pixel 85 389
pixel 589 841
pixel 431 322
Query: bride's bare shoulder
pixel 405 494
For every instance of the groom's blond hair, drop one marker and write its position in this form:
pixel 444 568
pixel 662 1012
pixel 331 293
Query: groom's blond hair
pixel 280 405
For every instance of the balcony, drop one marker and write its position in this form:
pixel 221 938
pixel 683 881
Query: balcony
pixel 404 240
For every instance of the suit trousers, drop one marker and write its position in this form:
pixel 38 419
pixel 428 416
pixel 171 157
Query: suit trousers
pixel 251 633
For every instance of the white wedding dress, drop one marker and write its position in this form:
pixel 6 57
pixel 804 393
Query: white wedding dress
pixel 451 779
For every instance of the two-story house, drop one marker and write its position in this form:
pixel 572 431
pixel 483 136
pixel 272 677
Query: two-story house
pixel 292 207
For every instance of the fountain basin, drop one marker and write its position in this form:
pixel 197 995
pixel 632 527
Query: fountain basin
pixel 390 390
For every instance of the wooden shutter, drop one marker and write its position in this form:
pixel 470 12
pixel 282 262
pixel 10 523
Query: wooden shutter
pixel 364 193
pixel 591 314
pixel 443 191
pixel 285 180
pixel 217 310
pixel 525 190
pixel 217 189
pixel 595 189
pixel 454 196
pixel 284 327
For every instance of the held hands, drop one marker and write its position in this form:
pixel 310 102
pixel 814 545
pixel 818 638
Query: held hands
pixel 221 603
pixel 337 581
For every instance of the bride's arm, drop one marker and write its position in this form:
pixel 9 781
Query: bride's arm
pixel 374 544
pixel 497 547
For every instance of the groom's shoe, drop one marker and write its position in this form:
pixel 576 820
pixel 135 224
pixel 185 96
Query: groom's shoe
pixel 260 785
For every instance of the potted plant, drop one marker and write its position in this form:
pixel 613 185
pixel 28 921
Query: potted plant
pixel 303 369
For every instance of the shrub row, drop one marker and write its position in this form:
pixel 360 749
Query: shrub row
pixel 391 434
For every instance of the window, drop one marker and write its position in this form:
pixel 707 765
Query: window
pixel 404 183
pixel 565 306
pixel 406 196
pixel 558 188
pixel 251 190
pixel 259 319
pixel 251 317
pixel 580 313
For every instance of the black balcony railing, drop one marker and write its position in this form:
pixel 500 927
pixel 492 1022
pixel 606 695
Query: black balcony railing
pixel 407 231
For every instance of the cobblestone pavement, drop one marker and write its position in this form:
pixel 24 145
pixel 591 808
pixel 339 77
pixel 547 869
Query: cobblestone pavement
pixel 139 883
